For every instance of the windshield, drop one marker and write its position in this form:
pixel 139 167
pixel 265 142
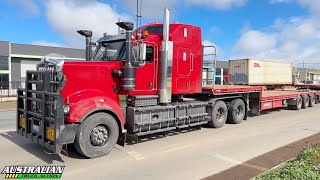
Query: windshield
pixel 110 51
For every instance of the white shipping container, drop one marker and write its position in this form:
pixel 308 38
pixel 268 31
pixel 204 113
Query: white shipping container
pixel 256 72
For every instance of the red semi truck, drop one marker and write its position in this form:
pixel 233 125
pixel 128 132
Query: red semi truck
pixel 160 73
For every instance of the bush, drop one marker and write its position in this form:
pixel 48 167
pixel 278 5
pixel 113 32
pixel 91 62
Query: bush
pixel 307 166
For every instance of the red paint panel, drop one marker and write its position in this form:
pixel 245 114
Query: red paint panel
pixel 89 85
pixel 183 84
pixel 266 105
pixel 271 104
pixel 186 39
pixel 277 103
pixel 184 62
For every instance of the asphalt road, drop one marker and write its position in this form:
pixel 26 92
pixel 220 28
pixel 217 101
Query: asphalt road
pixel 181 155
pixel 7 120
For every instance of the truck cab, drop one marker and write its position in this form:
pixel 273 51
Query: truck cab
pixel 78 102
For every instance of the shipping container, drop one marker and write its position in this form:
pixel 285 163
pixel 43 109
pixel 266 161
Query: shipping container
pixel 257 72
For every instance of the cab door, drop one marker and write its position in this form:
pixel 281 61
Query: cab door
pixel 146 79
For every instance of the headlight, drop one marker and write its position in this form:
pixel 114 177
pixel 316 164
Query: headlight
pixel 66 109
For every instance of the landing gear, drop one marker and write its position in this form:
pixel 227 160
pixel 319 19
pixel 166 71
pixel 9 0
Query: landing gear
pixel 97 135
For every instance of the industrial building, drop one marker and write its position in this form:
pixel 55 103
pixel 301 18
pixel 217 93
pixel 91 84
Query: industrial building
pixel 220 77
pixel 307 75
pixel 15 59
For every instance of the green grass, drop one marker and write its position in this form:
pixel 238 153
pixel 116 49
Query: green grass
pixel 122 100
pixel 307 166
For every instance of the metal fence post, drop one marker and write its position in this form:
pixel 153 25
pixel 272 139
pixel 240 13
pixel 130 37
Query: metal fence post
pixel 1 94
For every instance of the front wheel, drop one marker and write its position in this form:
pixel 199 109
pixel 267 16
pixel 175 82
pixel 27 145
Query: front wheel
pixel 97 135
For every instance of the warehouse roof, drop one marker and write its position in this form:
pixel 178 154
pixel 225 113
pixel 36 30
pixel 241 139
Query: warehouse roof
pixel 38 50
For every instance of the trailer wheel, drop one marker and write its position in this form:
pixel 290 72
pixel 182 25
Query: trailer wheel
pixel 298 104
pixel 254 108
pixel 316 99
pixel 97 135
pixel 312 100
pixel 219 115
pixel 305 102
pixel 237 111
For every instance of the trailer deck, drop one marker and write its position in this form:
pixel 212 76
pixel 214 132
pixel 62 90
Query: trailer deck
pixel 309 86
pixel 268 99
pixel 227 89
pixel 285 94
pixel 265 94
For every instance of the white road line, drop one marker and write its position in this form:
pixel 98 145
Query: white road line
pixel 177 148
pixel 136 155
pixel 6 130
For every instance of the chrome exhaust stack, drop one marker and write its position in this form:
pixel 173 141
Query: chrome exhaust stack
pixel 129 78
pixel 165 87
pixel 88 35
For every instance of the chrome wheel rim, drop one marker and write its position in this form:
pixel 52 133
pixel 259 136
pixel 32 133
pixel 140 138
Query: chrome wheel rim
pixel 99 136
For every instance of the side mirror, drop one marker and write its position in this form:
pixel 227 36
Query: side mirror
pixel 140 54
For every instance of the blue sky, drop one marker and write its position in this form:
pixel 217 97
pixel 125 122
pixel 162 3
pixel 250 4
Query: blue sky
pixel 268 29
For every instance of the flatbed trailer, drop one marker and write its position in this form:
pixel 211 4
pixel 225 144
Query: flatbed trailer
pixel 260 99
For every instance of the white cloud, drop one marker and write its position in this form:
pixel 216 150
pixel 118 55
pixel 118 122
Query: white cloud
pixel 46 43
pixel 29 7
pixel 68 16
pixel 252 42
pixel 294 40
pixel 218 4
pixel 279 1
pixel 149 8
pixel 312 5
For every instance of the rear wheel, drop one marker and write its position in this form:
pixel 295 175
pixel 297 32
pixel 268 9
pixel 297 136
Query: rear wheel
pixel 255 108
pixel 219 115
pixel 298 104
pixel 97 135
pixel 237 111
pixel 305 102
pixel 312 100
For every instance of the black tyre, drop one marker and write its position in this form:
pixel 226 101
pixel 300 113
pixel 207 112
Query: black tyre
pixel 317 99
pixel 298 104
pixel 312 101
pixel 237 111
pixel 219 115
pixel 97 135
pixel 254 108
pixel 305 102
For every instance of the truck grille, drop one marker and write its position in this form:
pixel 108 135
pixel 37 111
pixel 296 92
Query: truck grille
pixel 40 106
